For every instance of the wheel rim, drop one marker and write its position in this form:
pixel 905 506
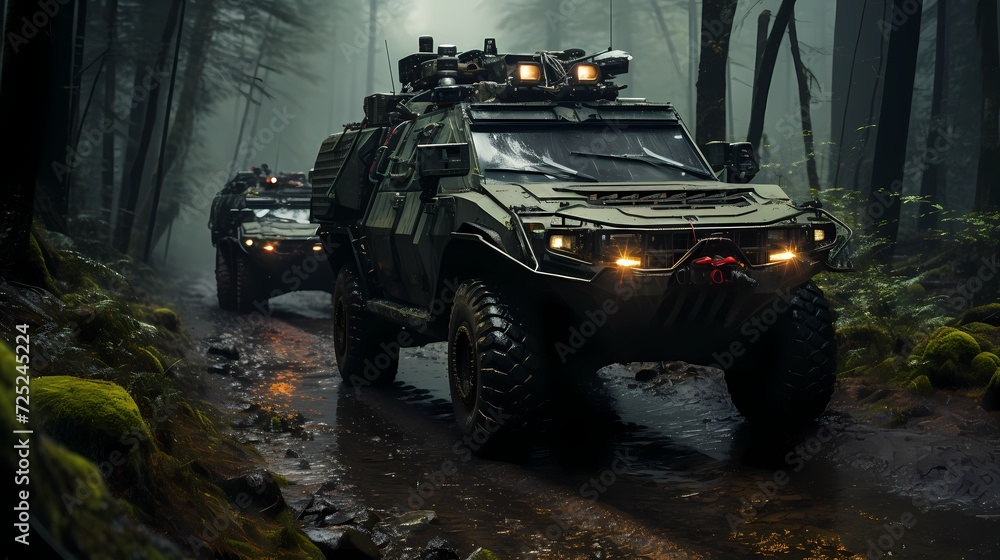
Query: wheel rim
pixel 465 366
pixel 339 328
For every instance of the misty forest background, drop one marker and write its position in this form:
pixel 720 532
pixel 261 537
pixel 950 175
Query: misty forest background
pixel 126 110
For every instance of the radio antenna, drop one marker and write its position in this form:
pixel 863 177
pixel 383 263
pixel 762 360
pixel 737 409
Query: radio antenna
pixel 392 81
pixel 611 25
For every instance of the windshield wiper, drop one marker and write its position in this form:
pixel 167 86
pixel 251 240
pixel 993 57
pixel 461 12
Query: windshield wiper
pixel 651 158
pixel 551 169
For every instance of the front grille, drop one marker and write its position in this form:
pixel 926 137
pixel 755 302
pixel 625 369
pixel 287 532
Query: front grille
pixel 658 250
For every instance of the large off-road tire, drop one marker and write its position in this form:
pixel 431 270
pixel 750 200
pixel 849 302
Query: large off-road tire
pixel 225 280
pixel 786 378
pixel 496 369
pixel 250 294
pixel 362 343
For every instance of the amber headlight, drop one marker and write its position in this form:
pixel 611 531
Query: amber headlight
pixel 569 243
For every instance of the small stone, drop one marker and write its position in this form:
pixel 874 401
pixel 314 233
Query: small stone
pixel 291 454
pixel 920 411
pixel 335 541
pixel 304 465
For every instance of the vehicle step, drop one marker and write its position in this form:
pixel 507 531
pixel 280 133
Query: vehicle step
pixel 399 313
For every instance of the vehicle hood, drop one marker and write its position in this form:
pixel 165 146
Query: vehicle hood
pixel 640 205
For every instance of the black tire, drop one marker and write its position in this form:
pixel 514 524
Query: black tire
pixel 787 377
pixel 366 354
pixel 496 370
pixel 250 294
pixel 225 280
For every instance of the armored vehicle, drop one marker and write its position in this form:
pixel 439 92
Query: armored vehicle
pixel 515 206
pixel 265 245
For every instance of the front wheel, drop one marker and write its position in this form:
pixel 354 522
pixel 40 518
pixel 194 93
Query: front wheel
pixel 496 369
pixel 225 280
pixel 250 294
pixel 361 342
pixel 787 377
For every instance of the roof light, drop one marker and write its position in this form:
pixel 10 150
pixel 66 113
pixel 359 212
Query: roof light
pixel 819 235
pixel 586 73
pixel 529 73
pixel 781 257
pixel 272 180
pixel 628 262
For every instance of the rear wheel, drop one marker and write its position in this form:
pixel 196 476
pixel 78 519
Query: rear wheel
pixel 366 354
pixel 496 369
pixel 787 377
pixel 225 281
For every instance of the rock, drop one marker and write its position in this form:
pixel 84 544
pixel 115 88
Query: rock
pixel 989 314
pixel 877 396
pixel 439 549
pixel 318 506
pixel 983 367
pixel 483 554
pixel 258 490
pixel 956 346
pixel 304 465
pixel 291 454
pixel 337 518
pixel 991 395
pixel 921 385
pixel 862 345
pixel 337 542
pixel 863 392
pixel 166 318
pixel 645 374
pixel 415 518
pixel 225 352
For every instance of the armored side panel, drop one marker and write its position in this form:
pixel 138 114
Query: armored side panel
pixel 340 177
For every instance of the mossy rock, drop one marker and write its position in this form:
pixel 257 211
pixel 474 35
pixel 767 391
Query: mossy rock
pixel 861 345
pixel 956 346
pixel 980 328
pixel 885 370
pixel 983 367
pixel 96 419
pixel 989 314
pixel 921 385
pixel 166 318
pixel 483 554
pixel 991 395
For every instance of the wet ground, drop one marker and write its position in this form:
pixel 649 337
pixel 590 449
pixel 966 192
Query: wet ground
pixel 658 469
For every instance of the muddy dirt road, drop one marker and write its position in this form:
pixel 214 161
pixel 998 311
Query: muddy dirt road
pixel 658 469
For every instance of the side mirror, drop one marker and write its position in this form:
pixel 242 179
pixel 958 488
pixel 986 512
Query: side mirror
pixel 737 158
pixel 443 160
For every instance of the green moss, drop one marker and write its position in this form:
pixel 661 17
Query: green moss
pixel 885 370
pixel 39 268
pixel 921 385
pixel 166 318
pixel 97 419
pixel 980 328
pixel 861 345
pixel 983 367
pixel 483 554
pixel 955 346
pixel 989 314
pixel 991 395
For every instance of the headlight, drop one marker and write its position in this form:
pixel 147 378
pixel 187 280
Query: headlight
pixel 268 247
pixel 248 242
pixel 570 243
pixel 562 242
pixel 528 73
pixel 585 73
pixel 781 256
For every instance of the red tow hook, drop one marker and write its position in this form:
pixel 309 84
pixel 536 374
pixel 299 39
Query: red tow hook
pixel 716 276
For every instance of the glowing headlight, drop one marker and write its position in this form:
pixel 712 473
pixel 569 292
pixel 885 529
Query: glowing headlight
pixel 269 247
pixel 529 73
pixel 628 262
pixel 782 256
pixel 563 242
pixel 586 73
pixel 317 248
pixel 819 235
pixel 248 242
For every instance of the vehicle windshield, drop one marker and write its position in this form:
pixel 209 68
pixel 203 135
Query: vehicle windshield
pixel 632 153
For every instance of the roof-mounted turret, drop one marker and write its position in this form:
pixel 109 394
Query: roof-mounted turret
pixel 486 75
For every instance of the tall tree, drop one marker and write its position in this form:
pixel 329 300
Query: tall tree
pixel 894 123
pixel 716 29
pixel 762 81
pixel 988 181
pixel 372 30
pixel 802 78
pixel 933 177
pixel 132 188
pixel 110 88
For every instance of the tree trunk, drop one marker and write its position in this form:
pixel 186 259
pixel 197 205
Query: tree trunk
pixel 805 102
pixel 988 180
pixel 372 29
pixel 930 183
pixel 671 50
pixel 23 91
pixel 108 139
pixel 52 194
pixel 76 117
pixel 894 125
pixel 763 24
pixel 137 168
pixel 692 57
pixel 716 27
pixel 762 81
